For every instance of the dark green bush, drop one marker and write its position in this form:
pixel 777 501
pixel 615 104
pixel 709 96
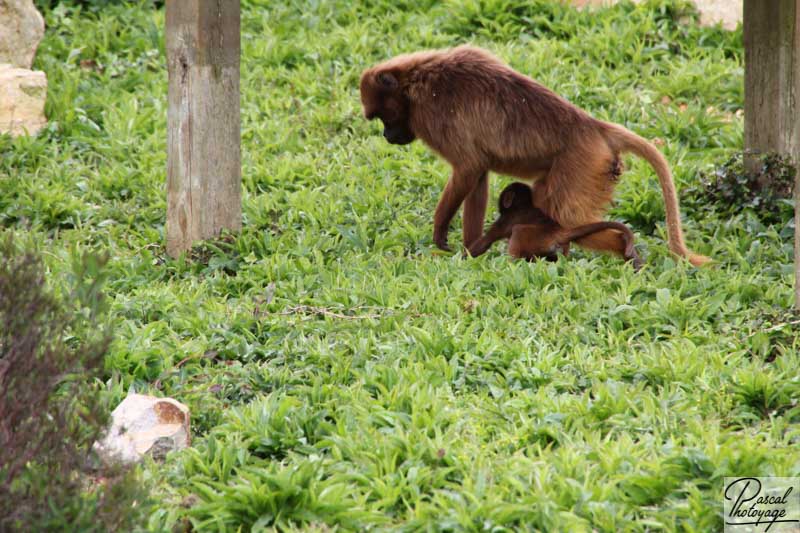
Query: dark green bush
pixel 730 189
pixel 51 410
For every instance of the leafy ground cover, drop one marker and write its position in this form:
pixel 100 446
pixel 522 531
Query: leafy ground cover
pixel 342 374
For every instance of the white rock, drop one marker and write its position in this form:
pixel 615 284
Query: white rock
pixel 22 96
pixel 145 424
pixel 21 29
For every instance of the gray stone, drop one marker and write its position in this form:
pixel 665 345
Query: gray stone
pixel 21 29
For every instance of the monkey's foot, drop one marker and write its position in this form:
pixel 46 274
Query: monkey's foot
pixel 636 261
pixel 441 243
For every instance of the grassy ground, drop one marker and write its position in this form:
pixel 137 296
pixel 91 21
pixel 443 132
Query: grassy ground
pixel 342 373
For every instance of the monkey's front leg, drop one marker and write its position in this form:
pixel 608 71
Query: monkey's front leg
pixel 461 184
pixel 475 211
pixel 499 230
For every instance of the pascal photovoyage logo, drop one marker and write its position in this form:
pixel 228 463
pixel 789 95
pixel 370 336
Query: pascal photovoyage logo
pixel 759 504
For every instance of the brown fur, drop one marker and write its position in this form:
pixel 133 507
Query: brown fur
pixel 480 115
pixel 532 234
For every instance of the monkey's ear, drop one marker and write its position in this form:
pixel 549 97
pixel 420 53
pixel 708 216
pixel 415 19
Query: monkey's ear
pixel 388 80
pixel 507 199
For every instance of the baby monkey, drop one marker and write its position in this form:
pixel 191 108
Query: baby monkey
pixel 532 234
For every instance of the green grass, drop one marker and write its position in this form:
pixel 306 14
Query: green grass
pixel 339 371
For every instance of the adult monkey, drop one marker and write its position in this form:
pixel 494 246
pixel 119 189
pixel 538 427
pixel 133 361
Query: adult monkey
pixel 481 115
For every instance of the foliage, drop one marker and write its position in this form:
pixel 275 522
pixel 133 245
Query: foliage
pixel 767 191
pixel 90 5
pixel 51 353
pixel 340 372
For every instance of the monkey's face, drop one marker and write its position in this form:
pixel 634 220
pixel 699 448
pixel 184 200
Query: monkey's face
pixel 398 132
pixel 382 97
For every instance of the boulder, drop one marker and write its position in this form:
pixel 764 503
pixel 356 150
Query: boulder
pixel 22 96
pixel 142 425
pixel 21 29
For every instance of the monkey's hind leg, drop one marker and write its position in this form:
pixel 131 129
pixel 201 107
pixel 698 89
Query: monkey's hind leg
pixel 579 187
pixel 604 241
pixel 617 240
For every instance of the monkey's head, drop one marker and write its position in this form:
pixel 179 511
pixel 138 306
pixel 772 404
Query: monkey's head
pixel 383 97
pixel 515 197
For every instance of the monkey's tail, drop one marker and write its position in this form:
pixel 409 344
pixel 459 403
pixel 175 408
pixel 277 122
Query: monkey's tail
pixel 624 140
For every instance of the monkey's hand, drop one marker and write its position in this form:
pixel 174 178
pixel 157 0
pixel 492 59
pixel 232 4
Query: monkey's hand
pixel 479 247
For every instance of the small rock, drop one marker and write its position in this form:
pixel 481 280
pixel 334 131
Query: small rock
pixel 145 424
pixel 21 29
pixel 22 96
